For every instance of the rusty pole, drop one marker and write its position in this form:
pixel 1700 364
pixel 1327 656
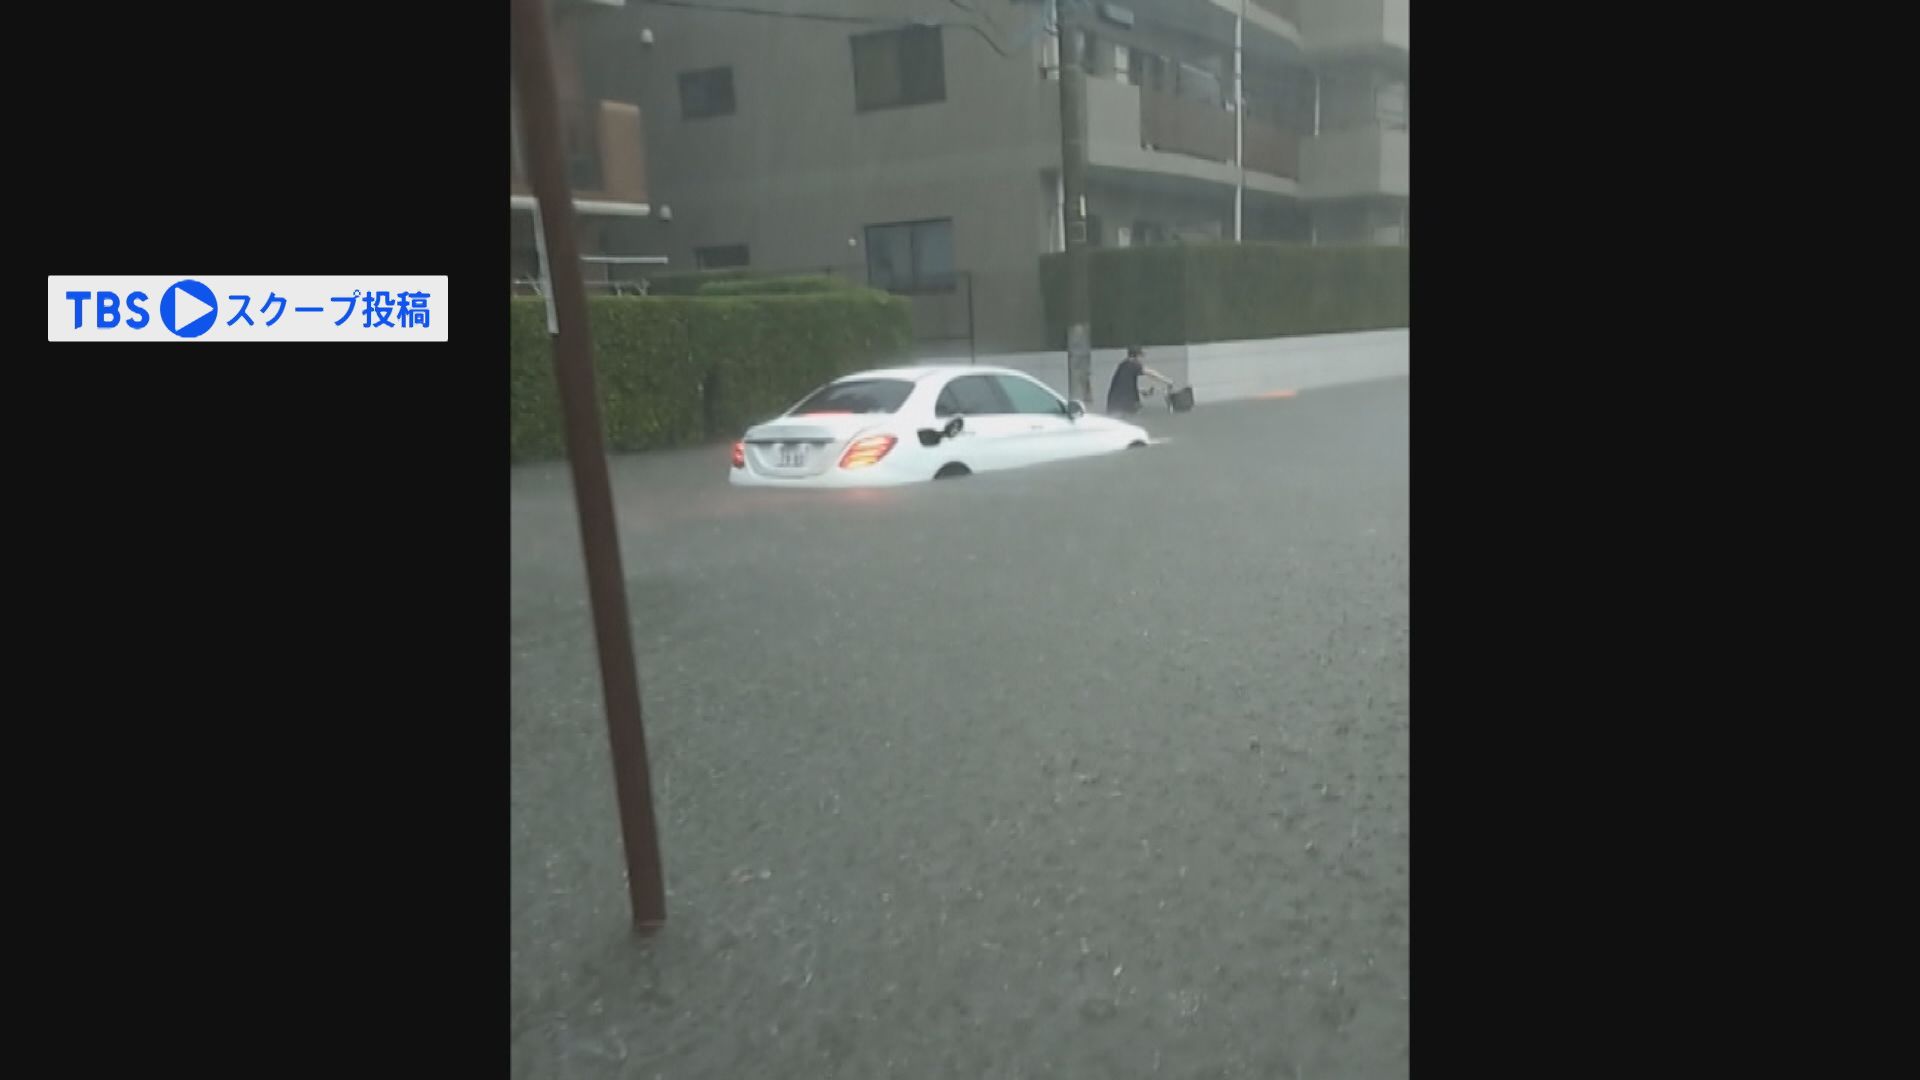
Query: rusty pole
pixel 586 454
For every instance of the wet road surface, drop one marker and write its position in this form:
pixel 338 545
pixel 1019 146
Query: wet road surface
pixel 1089 770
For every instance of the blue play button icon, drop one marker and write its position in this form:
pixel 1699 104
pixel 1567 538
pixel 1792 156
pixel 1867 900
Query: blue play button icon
pixel 188 308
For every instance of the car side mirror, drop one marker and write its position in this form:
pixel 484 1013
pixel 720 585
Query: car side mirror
pixel 1075 410
pixel 931 437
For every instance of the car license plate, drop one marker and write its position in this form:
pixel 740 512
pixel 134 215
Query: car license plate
pixel 793 455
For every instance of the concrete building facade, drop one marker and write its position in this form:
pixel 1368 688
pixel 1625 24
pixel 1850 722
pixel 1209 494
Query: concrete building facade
pixel 915 144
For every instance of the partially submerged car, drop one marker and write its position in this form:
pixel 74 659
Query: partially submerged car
pixel 905 425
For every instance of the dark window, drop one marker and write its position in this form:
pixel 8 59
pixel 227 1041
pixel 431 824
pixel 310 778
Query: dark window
pixel 723 257
pixel 892 68
pixel 1030 397
pixel 1147 70
pixel 1146 233
pixel 706 93
pixel 972 395
pixel 856 396
pixel 1393 102
pixel 911 257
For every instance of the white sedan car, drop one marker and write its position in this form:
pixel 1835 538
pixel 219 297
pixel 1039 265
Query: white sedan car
pixel 903 425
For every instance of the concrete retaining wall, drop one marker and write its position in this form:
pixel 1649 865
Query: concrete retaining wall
pixel 1231 370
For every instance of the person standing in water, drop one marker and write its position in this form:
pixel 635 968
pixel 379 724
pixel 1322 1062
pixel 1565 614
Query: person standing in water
pixel 1123 394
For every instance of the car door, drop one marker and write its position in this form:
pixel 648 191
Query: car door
pixel 1045 433
pixel 989 436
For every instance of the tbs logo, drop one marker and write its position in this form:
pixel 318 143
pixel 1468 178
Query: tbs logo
pixel 187 309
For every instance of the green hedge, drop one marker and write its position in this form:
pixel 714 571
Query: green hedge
pixel 690 282
pixel 1188 293
pixel 774 286
pixel 533 400
pixel 677 370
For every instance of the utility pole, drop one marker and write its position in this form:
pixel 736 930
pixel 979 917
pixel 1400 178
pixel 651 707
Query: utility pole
pixel 1073 186
pixel 1313 227
pixel 586 454
pixel 1239 120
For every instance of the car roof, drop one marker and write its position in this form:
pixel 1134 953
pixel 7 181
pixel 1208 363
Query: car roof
pixel 927 371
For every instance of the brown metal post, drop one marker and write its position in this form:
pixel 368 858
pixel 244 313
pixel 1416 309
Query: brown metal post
pixel 586 453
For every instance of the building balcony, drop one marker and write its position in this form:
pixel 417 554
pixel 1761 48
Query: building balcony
pixel 1366 161
pixel 1271 150
pixel 606 152
pixel 1360 28
pixel 1278 18
pixel 1177 125
pixel 1148 131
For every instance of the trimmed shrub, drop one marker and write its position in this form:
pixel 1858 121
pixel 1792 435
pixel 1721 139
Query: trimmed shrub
pixel 689 282
pixel 533 399
pixel 739 342
pixel 774 286
pixel 650 383
pixel 677 370
pixel 1189 293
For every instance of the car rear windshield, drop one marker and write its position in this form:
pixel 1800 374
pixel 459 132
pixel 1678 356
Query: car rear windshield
pixel 856 396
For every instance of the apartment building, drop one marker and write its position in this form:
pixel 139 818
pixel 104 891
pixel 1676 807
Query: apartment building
pixel 914 145
pixel 606 147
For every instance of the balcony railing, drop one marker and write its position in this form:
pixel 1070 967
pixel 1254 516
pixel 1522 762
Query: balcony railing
pixel 1185 126
pixel 1271 150
pixel 1286 9
pixel 606 151
pixel 1365 161
pixel 1178 125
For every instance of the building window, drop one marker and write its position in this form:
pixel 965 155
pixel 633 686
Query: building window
pixel 911 257
pixel 1391 102
pixel 720 257
pixel 896 68
pixel 1147 70
pixel 706 93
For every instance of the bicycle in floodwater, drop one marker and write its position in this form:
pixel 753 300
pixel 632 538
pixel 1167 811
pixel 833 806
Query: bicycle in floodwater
pixel 1178 401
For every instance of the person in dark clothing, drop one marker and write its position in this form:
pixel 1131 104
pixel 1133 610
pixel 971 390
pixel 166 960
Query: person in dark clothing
pixel 1123 394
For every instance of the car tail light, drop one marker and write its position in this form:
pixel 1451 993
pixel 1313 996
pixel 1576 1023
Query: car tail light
pixel 740 455
pixel 868 451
